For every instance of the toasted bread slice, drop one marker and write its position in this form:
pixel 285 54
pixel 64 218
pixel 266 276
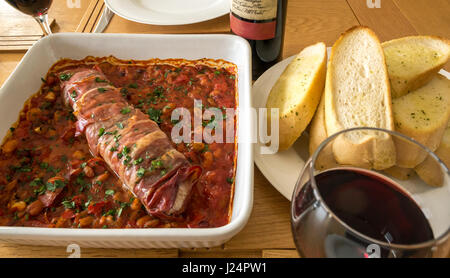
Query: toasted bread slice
pixel 423 115
pixel 297 93
pixel 413 61
pixel 317 134
pixel 399 173
pixel 429 170
pixel 357 94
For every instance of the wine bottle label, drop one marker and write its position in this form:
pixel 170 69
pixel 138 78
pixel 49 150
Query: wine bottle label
pixel 254 19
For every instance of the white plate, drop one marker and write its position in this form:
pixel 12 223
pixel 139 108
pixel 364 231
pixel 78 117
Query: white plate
pixel 169 12
pixel 26 80
pixel 283 168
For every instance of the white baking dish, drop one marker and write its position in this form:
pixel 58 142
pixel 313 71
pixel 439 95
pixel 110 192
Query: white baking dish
pixel 26 80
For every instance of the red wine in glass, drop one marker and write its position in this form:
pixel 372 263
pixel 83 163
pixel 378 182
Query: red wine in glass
pixel 365 201
pixel 374 206
pixel 36 8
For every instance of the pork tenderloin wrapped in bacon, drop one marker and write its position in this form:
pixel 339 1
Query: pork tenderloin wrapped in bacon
pixel 131 144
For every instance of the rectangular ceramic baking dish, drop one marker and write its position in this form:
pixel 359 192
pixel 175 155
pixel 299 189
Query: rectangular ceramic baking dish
pixel 26 80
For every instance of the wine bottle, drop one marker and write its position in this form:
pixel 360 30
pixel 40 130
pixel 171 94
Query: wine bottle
pixel 261 23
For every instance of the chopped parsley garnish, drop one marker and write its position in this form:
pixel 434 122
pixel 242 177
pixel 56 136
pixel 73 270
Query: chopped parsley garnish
pixel 99 80
pixel 53 186
pixel 109 192
pixel 36 182
pixel 124 92
pixel 68 204
pixel 154 115
pixel 125 110
pixel 102 90
pixel 111 132
pixel 138 161
pixel 141 172
pixel 122 206
pixel 125 150
pixel 159 91
pixel 101 131
pixel 86 204
pixel 133 85
pixel 217 72
pixel 73 95
pixel 24 169
pixel 111 212
pixel 211 123
pixel 232 77
pixel 230 180
pixel 41 190
pixel 65 76
pixel 127 160
pixel 156 164
pixel 119 125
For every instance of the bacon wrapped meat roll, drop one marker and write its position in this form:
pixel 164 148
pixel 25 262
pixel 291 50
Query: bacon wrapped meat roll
pixel 131 144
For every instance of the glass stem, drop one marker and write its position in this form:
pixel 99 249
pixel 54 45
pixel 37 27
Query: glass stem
pixel 43 22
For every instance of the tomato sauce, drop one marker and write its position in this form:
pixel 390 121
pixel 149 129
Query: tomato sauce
pixel 48 177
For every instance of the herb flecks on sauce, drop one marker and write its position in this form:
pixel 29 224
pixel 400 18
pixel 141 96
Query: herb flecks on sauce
pixel 55 166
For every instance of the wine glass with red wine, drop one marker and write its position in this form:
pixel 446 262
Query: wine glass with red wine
pixel 347 210
pixel 36 8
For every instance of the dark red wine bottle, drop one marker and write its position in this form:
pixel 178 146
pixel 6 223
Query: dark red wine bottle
pixel 261 23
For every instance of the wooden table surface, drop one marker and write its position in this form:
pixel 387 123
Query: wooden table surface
pixel 267 233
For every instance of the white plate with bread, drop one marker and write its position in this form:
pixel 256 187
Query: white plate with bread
pixel 397 85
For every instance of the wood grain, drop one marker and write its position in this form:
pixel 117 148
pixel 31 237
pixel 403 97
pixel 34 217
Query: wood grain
pixel 22 251
pixel 219 253
pixel 18 25
pixel 95 17
pixel 427 17
pixel 67 19
pixel 388 22
pixel 311 21
pixel 8 62
pixel 280 253
pixel 88 16
pixel 25 42
pixel 217 25
pixel 269 225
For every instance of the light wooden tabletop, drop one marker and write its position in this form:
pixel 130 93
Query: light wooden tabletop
pixel 268 232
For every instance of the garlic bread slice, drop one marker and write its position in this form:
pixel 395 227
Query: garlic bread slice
pixel 297 93
pixel 413 61
pixel 423 115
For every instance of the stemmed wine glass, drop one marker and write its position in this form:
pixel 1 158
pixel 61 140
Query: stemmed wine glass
pixel 36 8
pixel 346 208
